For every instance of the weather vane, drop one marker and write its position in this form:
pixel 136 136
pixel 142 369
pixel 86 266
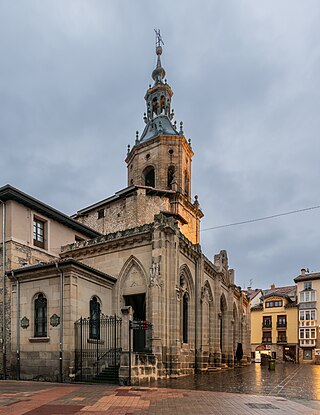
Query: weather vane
pixel 158 38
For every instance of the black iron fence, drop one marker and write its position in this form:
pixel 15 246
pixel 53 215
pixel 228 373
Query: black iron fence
pixel 97 345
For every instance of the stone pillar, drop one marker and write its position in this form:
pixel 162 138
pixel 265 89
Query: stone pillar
pixel 127 316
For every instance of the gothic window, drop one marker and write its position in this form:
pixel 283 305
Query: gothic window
pixel 40 316
pixel 170 176
pixel 186 184
pixel 149 176
pixel 94 326
pixel 185 315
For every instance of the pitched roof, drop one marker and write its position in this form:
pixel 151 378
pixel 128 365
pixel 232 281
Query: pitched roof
pixel 60 262
pixel 253 293
pixel 307 277
pixel 289 290
pixel 9 192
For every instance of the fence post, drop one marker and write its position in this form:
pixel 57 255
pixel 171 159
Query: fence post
pixel 97 351
pixel 115 340
pixel 130 330
pixel 81 349
pixel 126 345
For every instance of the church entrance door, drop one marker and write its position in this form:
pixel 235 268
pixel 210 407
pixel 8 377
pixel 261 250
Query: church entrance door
pixel 138 304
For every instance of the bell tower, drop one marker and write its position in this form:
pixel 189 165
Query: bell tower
pixel 161 157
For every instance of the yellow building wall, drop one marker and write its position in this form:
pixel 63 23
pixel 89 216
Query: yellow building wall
pixel 273 312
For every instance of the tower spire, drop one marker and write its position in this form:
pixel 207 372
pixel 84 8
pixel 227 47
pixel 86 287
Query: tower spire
pixel 158 116
pixel 159 73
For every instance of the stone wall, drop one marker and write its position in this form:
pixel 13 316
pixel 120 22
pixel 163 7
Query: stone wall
pixel 125 213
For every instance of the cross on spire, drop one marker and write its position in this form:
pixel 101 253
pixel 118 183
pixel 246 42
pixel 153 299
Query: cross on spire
pixel 159 40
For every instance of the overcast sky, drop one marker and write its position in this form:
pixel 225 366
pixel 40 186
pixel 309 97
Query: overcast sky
pixel 246 82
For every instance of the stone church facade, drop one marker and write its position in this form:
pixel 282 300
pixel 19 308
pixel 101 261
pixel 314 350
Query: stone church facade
pixel 135 255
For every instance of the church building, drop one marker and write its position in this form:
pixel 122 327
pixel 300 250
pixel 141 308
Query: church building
pixel 121 290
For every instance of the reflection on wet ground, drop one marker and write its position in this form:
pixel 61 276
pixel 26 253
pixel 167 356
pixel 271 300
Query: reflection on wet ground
pixel 288 380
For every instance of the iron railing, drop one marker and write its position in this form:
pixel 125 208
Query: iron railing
pixel 97 345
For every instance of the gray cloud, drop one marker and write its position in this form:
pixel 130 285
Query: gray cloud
pixel 246 80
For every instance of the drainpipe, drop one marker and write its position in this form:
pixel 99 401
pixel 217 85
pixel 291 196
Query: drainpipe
pixel 18 326
pixel 61 324
pixel 4 331
pixel 196 316
pixel 196 203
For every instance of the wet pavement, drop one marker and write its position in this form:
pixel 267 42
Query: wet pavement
pixel 39 398
pixel 253 390
pixel 288 380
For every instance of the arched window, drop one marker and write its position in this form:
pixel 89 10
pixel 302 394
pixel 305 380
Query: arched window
pixel 185 320
pixel 162 103
pixel 149 176
pixel 186 184
pixel 170 176
pixel 40 316
pixel 94 326
pixel 155 105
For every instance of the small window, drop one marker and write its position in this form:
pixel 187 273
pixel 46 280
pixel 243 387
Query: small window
pixel 274 355
pixel 271 304
pixel 267 337
pixel 282 336
pixel 40 316
pixel 308 285
pixel 38 232
pixel 267 321
pixel 94 324
pixel 100 213
pixel 282 321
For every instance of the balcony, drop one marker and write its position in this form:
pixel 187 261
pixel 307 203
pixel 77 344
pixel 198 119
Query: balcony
pixel 282 325
pixel 267 325
pixel 282 340
pixel 307 342
pixel 266 340
pixel 307 323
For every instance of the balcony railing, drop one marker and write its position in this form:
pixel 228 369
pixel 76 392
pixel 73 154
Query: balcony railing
pixel 307 323
pixel 282 340
pixel 307 342
pixel 267 340
pixel 266 325
pixel 282 325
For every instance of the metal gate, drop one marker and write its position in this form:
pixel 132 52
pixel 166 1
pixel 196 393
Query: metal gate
pixel 97 345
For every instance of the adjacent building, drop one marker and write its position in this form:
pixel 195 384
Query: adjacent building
pixel 308 286
pixel 33 233
pixel 274 325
